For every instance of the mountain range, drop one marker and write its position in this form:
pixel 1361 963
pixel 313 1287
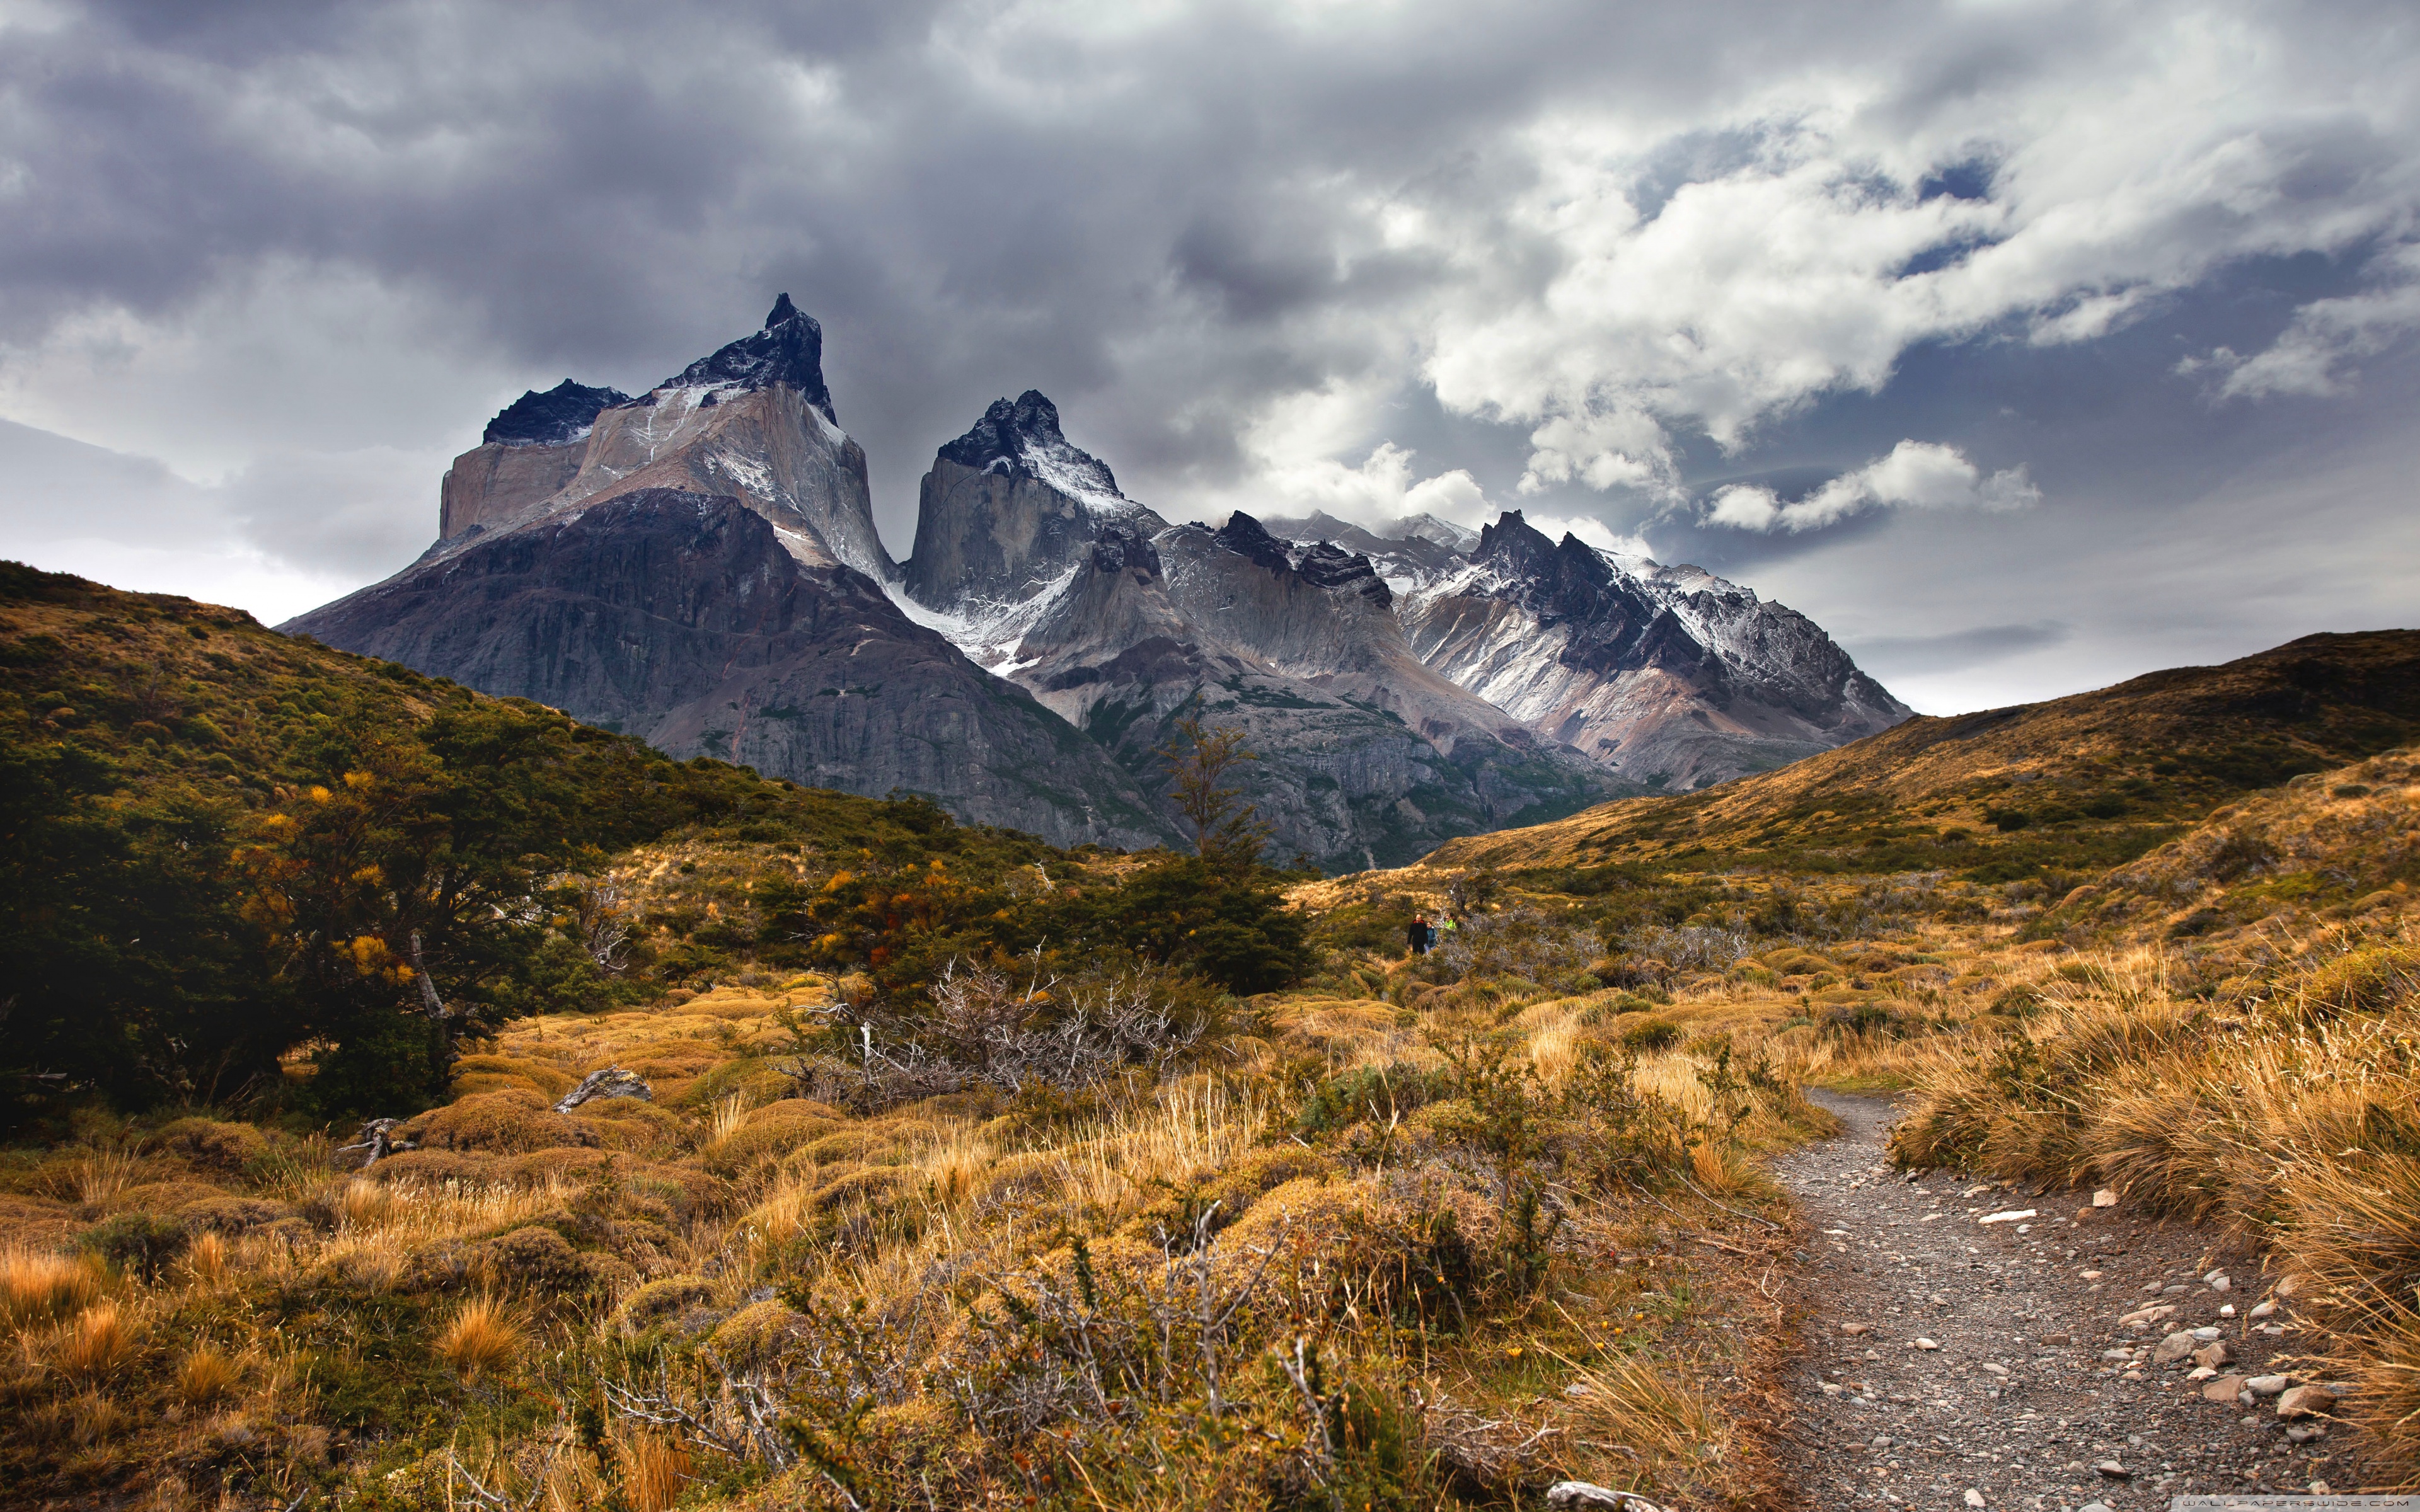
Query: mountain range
pixel 698 564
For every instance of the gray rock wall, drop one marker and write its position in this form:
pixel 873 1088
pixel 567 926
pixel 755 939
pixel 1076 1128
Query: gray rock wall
pixel 681 618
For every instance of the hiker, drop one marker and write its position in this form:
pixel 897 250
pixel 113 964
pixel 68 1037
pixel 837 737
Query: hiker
pixel 1418 934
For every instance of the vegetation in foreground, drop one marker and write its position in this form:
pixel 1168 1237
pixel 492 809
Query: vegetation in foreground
pixel 229 848
pixel 2268 1080
pixel 975 1170
pixel 969 1169
pixel 1357 1255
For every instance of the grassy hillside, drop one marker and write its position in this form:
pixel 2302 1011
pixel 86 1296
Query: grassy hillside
pixel 970 1172
pixel 2237 1048
pixel 239 866
pixel 2084 781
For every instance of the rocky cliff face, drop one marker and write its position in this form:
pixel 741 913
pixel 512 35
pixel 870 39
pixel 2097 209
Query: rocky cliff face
pixel 1668 676
pixel 698 566
pixel 753 420
pixel 1009 508
pixel 678 617
pixel 529 453
pixel 1034 563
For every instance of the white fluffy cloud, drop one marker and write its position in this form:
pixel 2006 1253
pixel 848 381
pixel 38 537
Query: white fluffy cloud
pixel 1914 475
pixel 1383 488
pixel 2313 354
pixel 2102 166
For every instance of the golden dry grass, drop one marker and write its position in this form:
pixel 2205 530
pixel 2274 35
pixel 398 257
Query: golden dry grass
pixel 37 1286
pixel 1649 1405
pixel 898 1222
pixel 205 1376
pixel 655 1470
pixel 103 1174
pixel 97 1342
pixel 208 1262
pixel 2288 1113
pixel 483 1338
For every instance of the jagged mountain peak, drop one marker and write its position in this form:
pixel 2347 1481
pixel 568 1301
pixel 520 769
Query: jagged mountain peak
pixel 1249 538
pixel 1511 540
pixel 1515 547
pixel 1329 565
pixel 1021 436
pixel 562 413
pixel 1427 526
pixel 788 351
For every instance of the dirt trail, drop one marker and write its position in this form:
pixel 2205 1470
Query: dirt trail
pixel 2019 1405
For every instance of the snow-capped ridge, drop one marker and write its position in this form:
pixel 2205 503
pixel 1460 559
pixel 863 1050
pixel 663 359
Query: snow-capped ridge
pixel 788 351
pixel 1020 438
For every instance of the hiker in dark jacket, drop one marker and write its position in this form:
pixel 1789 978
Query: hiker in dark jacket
pixel 1420 936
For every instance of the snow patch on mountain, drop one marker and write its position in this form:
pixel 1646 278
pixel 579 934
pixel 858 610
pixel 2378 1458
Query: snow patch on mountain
pixel 1022 435
pixel 988 631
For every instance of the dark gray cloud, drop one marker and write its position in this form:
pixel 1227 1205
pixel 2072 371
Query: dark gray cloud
pixel 1894 655
pixel 1593 260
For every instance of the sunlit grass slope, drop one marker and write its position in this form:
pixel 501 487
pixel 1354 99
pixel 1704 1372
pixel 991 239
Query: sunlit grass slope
pixel 2087 781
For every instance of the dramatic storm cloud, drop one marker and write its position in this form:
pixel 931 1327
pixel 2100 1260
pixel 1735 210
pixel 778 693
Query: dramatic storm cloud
pixel 2026 346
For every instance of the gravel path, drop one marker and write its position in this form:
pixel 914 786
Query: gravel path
pixel 2017 1404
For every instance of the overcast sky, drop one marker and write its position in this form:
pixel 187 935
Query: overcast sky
pixel 2026 346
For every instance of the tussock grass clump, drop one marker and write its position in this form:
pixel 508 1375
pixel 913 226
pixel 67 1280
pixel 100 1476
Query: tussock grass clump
pixel 99 1343
pixel 208 1262
pixel 205 1376
pixel 37 1286
pixel 1660 1414
pixel 655 1470
pixel 483 1338
pixel 2294 1114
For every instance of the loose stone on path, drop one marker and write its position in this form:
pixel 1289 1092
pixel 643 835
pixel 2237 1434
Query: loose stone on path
pixel 2021 1353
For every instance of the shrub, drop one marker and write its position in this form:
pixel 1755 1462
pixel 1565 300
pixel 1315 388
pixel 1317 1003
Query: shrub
pixel 513 1121
pixel 2368 981
pixel 1866 1018
pixel 229 1215
pixel 1651 1034
pixel 1014 1032
pixel 756 1334
pixel 1689 948
pixel 139 1243
pixel 226 1147
pixel 770 1132
pixel 537 1259
pixel 1371 1091
pixel 660 1301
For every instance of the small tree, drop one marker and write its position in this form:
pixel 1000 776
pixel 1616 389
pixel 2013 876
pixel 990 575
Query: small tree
pixel 1227 831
